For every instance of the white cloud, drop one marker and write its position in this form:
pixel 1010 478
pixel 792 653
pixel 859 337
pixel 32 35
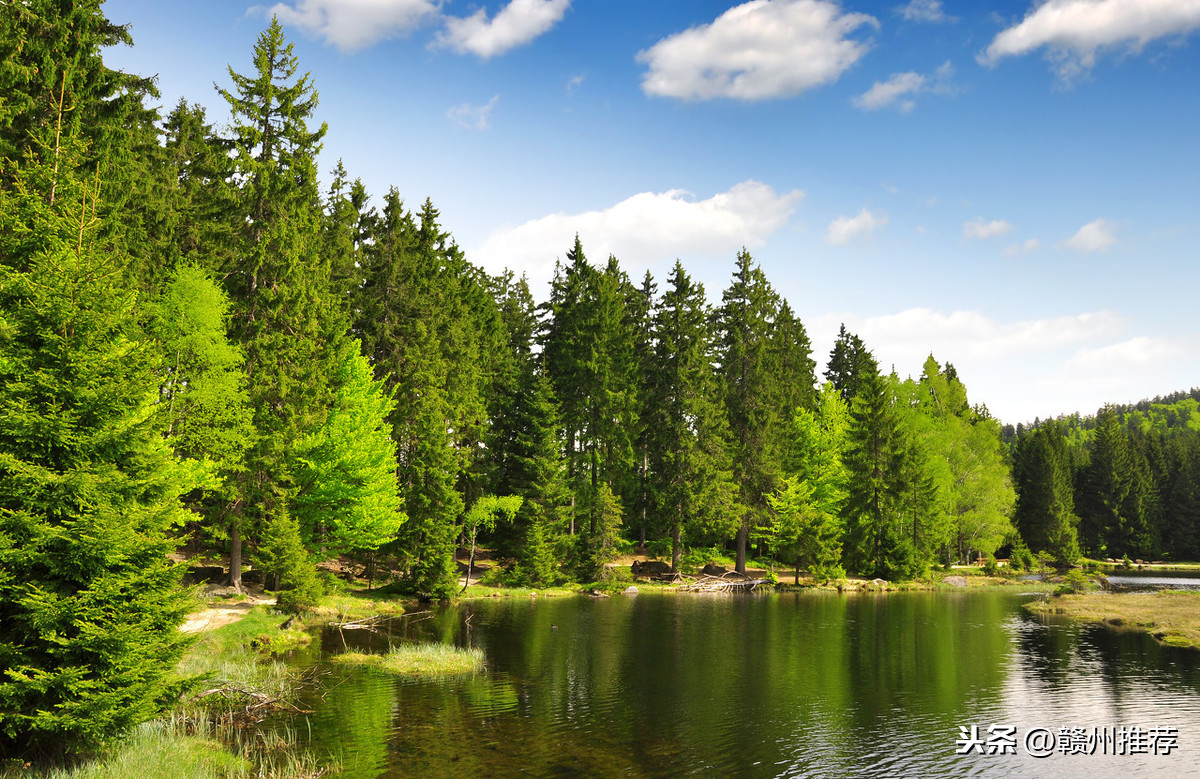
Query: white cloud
pixel 575 82
pixel 473 117
pixel 977 228
pixel 1097 236
pixel 646 228
pixel 923 11
pixel 1020 369
pixel 354 24
pixel 845 229
pixel 1022 248
pixel 757 50
pixel 886 93
pixel 1074 31
pixel 516 24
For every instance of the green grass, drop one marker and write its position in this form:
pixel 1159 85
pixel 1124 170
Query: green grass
pixel 418 660
pixel 1171 616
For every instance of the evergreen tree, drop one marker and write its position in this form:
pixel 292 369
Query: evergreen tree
pixel 202 392
pixel 877 543
pixel 345 496
pixel 89 603
pixel 1045 512
pixel 689 470
pixel 290 328
pixel 848 361
pixel 748 308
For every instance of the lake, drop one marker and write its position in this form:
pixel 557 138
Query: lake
pixel 792 684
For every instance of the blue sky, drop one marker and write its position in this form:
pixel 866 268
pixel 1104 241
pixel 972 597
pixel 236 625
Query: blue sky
pixel 1013 187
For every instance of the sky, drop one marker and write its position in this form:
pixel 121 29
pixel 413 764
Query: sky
pixel 1013 187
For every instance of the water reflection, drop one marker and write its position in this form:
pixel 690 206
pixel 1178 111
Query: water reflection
pixel 770 685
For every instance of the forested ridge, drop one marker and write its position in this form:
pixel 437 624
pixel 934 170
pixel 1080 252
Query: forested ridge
pixel 199 344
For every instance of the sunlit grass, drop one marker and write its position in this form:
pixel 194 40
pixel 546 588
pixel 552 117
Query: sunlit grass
pixel 418 660
pixel 1171 616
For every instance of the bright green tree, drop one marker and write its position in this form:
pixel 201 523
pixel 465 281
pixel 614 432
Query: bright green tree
pixel 203 403
pixel 807 524
pixel 345 494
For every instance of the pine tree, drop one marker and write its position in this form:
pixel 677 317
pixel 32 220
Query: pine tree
pixel 1045 512
pixel 748 308
pixel 690 474
pixel 89 494
pixel 848 361
pixel 291 329
pixel 876 543
pixel 345 495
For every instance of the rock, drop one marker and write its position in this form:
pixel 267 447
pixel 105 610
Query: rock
pixel 712 569
pixel 253 577
pixel 222 592
pixel 597 594
pixel 206 574
pixel 955 581
pixel 631 590
pixel 650 568
pixel 879 582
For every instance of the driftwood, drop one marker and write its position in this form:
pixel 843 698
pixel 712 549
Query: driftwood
pixel 731 581
pixel 257 705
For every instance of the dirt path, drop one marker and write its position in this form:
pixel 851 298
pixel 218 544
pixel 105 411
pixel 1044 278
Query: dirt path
pixel 223 614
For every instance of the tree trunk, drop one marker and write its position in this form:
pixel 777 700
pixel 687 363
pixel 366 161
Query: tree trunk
pixel 235 554
pixel 742 534
pixel 676 547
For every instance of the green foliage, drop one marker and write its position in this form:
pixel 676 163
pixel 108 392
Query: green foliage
pixel 281 554
pixel 1045 510
pixel 807 525
pixel 690 479
pixel 1075 581
pixel 345 495
pixel 89 603
pixel 599 512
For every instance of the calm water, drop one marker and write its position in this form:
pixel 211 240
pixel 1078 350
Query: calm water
pixel 813 685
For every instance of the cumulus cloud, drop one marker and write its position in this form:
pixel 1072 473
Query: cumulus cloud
pixel 885 93
pixel 894 90
pixel 1074 31
pixel 473 117
pixel 923 11
pixel 1097 236
pixel 516 24
pixel 977 228
pixel 643 229
pixel 757 50
pixel 1026 247
pixel 354 24
pixel 845 229
pixel 1022 368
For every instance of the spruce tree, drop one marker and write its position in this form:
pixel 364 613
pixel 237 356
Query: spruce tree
pixel 290 327
pixel 89 494
pixel 690 473
pixel 745 323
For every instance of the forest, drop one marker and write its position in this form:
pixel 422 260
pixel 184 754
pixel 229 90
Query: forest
pixel 201 346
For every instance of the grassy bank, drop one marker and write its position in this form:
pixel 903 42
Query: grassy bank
pixel 212 732
pixel 1171 616
pixel 418 660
